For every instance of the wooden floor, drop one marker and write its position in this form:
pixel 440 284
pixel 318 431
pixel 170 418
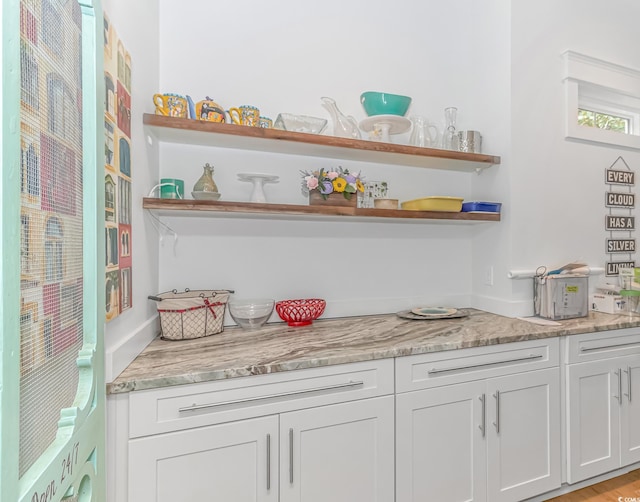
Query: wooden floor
pixel 621 489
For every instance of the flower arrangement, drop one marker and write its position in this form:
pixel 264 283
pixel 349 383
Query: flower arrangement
pixel 336 180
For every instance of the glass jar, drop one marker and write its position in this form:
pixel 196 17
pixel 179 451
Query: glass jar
pixel 631 299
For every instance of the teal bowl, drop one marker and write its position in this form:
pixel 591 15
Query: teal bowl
pixel 383 103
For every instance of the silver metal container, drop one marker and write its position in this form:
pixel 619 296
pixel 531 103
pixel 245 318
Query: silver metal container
pixel 469 141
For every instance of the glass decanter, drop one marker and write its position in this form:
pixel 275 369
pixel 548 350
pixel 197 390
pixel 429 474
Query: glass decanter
pixel 449 135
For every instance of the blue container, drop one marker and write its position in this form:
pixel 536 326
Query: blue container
pixel 485 207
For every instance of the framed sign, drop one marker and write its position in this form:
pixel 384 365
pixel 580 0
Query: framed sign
pixel 620 222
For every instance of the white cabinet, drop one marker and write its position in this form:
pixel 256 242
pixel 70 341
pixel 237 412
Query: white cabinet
pixel 630 413
pixel 602 416
pixel 440 449
pixel 488 438
pixel 300 436
pixel 234 461
pixel 339 453
pixel 523 440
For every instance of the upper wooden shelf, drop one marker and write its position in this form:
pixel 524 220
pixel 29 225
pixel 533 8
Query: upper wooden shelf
pixel 173 207
pixel 197 132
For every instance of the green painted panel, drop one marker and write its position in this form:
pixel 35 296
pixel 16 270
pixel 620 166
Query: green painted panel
pixel 34 183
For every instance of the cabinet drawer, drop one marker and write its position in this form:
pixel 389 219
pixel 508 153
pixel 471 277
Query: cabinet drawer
pixel 463 365
pixel 186 406
pixel 592 346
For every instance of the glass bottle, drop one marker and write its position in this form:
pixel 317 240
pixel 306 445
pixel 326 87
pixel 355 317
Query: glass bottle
pixel 206 183
pixel 449 135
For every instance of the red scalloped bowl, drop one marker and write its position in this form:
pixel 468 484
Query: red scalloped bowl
pixel 300 312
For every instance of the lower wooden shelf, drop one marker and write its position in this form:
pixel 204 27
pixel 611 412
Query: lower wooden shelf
pixel 176 206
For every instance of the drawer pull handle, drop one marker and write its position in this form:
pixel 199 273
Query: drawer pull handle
pixel 618 373
pixel 196 407
pixel 291 456
pixel 601 347
pixel 481 365
pixel 268 461
pixel 483 427
pixel 497 422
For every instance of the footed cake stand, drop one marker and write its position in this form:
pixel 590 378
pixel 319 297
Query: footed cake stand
pixel 258 180
pixel 380 127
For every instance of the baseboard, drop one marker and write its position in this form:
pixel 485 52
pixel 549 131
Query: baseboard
pixel 117 358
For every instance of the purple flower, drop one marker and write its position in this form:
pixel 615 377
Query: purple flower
pixel 350 178
pixel 326 187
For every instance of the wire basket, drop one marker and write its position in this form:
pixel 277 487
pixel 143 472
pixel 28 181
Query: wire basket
pixel 191 314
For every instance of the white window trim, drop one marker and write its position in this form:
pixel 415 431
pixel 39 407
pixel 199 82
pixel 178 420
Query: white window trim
pixel 588 74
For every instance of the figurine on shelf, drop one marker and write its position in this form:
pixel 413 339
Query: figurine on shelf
pixel 205 187
pixel 206 183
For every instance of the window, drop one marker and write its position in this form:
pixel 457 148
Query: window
pixel 110 96
pixel 30 170
pixel 28 76
pixel 602 101
pixel 109 198
pixel 51 27
pixel 592 118
pixel 69 300
pixel 25 262
pixel 126 288
pixel 63 116
pixel 27 342
pixel 53 250
pixel 124 201
pixel 108 143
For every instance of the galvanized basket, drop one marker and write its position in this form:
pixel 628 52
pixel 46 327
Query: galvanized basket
pixel 191 314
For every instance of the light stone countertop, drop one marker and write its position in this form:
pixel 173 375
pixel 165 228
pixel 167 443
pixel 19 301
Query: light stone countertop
pixel 276 347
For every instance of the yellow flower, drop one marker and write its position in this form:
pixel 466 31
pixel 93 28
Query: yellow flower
pixel 359 186
pixel 339 184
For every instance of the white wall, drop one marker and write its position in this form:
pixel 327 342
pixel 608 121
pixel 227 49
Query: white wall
pixel 136 24
pixel 283 58
pixel 498 61
pixel 557 192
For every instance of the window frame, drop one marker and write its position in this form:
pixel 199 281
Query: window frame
pixel 602 87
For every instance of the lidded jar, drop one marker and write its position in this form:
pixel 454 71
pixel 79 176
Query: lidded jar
pixel 206 183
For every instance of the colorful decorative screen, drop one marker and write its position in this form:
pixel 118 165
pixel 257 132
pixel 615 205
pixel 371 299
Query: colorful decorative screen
pixel 51 266
pixel 117 179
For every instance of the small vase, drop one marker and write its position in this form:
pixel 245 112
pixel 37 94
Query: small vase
pixel 206 183
pixel 332 199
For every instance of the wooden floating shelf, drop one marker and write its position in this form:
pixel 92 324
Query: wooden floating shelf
pixel 197 132
pixel 174 207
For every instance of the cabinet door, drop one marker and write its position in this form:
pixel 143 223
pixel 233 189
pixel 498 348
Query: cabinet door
pixel 593 414
pixel 630 417
pixel 440 444
pixel 523 439
pixel 220 462
pixel 338 453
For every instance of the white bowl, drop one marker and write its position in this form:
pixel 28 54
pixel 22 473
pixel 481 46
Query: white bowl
pixel 251 313
pixel 205 195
